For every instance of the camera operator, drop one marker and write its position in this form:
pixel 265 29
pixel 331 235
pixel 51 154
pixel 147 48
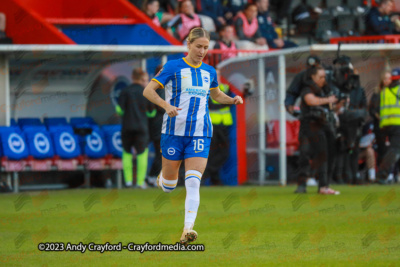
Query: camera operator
pixel 294 90
pixel 317 124
pixel 292 94
pixel 352 117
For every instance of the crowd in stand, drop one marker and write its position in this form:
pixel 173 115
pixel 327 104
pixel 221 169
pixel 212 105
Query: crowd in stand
pixel 238 24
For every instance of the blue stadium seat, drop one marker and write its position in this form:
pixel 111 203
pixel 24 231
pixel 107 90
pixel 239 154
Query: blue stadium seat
pixel 55 121
pixel 65 142
pixel 113 139
pixel 94 145
pixel 39 142
pixel 30 128
pixel 58 128
pixel 13 144
pixel 28 121
pixel 82 120
pixel 13 122
pixel 10 128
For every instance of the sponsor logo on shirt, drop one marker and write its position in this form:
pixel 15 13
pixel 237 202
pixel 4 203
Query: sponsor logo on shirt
pixel 196 91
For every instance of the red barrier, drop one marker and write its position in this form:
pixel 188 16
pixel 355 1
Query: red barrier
pixel 90 21
pixel 26 27
pixel 30 21
pixel 387 39
pixel 80 9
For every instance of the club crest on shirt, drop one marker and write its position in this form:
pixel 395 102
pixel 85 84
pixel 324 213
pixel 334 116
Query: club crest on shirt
pixel 206 80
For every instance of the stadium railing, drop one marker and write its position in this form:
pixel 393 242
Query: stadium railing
pixel 380 39
pixel 215 56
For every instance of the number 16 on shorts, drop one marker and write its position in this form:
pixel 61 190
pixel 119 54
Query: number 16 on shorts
pixel 200 145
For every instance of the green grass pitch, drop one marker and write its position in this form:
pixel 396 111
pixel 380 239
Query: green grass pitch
pixel 239 226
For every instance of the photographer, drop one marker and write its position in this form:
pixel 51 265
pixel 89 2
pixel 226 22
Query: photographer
pixel 294 90
pixel 318 128
pixel 292 94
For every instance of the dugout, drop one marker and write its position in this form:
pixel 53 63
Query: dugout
pixel 83 80
pixel 47 81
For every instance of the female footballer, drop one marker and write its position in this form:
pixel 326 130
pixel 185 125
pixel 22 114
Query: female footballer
pixel 187 128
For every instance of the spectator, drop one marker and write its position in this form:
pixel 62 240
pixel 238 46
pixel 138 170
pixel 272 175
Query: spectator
pixel 213 9
pixel 168 5
pixel 151 9
pixel 378 21
pixel 267 29
pixel 184 21
pixel 246 25
pixel 226 42
pixel 282 8
pixel 137 3
pixel 233 7
pixel 374 110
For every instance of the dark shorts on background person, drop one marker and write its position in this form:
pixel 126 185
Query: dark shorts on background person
pixel 137 140
pixel 183 147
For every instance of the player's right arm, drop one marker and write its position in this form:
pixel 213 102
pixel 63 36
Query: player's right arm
pixel 158 82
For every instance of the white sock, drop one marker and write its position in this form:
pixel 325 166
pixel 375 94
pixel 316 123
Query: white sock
pixel 167 185
pixel 192 183
pixel 371 174
pixel 390 177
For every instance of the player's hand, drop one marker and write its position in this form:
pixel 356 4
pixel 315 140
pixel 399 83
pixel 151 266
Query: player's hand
pixel 237 100
pixel 172 111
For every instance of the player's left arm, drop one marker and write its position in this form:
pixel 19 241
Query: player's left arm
pixel 222 98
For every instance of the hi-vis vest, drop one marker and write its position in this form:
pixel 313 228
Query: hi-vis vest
pixel 390 107
pixel 222 115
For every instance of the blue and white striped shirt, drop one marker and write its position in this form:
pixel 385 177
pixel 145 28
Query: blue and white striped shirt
pixel 187 87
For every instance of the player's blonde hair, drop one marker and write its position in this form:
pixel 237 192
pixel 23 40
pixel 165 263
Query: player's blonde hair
pixel 197 33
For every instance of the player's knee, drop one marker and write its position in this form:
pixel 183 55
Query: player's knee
pixel 168 185
pixel 193 178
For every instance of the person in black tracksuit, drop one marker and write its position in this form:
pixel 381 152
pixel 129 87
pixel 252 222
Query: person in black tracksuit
pixel 155 125
pixel 316 124
pixel 134 109
pixel 292 94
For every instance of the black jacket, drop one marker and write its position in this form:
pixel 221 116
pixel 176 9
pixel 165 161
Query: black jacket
pixel 135 106
pixel 377 24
